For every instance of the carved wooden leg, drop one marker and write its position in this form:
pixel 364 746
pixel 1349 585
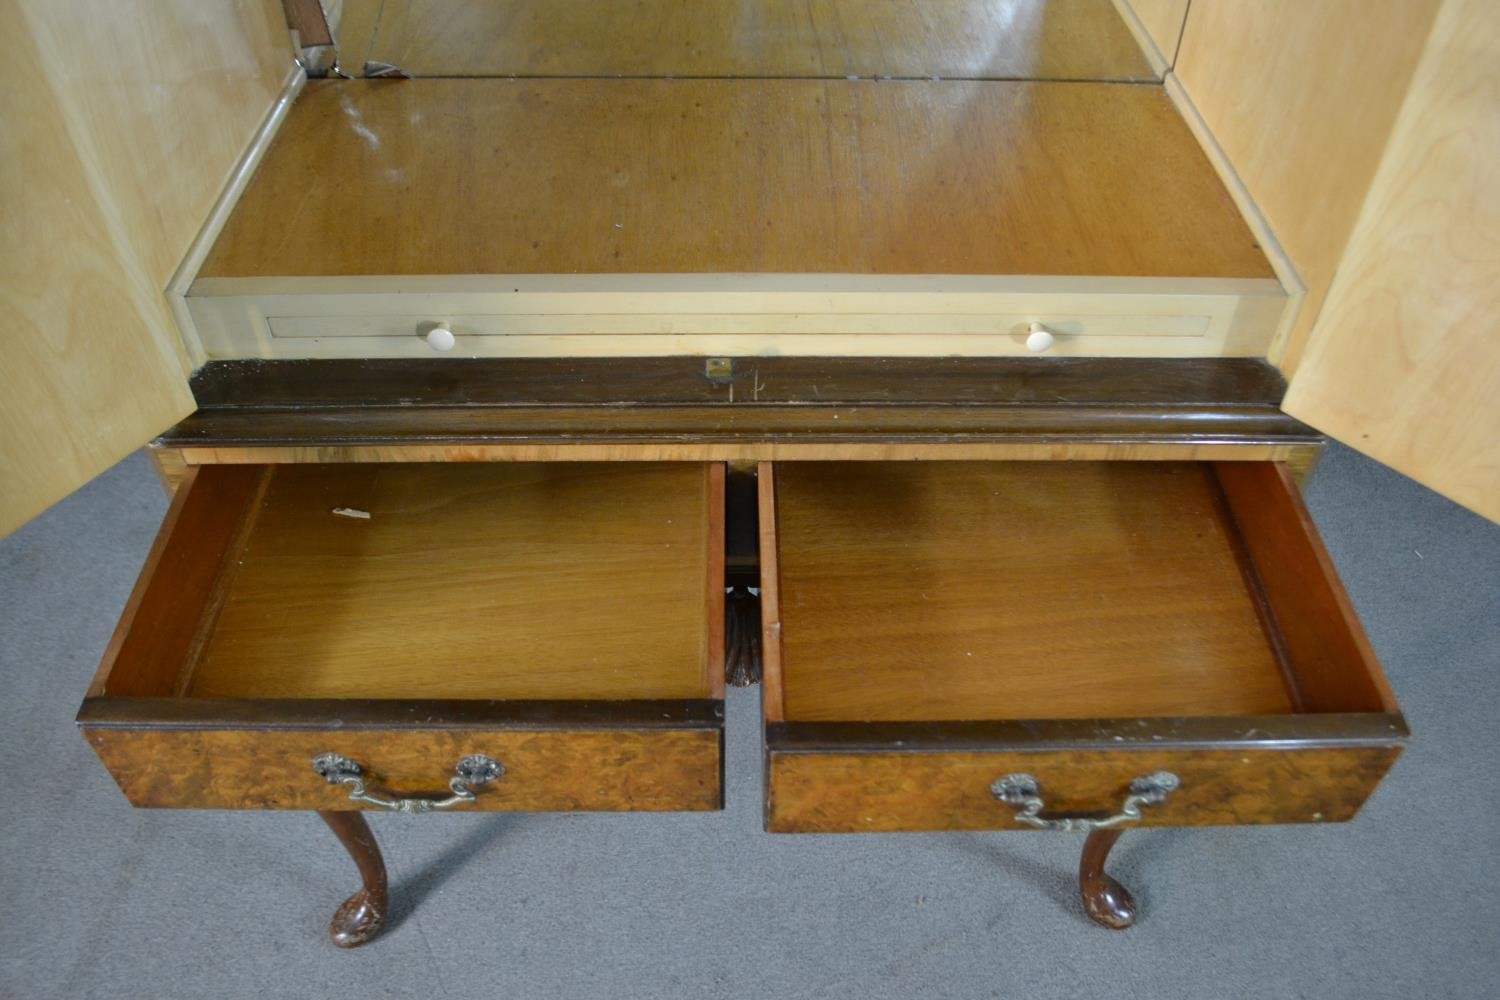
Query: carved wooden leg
pixel 741 638
pixel 1106 901
pixel 362 915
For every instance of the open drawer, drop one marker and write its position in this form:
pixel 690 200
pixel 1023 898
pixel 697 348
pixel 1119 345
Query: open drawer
pixel 997 645
pixel 564 620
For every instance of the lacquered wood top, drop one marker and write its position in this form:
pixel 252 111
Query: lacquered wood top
pixel 1015 39
pixel 473 581
pixel 1014 590
pixel 497 176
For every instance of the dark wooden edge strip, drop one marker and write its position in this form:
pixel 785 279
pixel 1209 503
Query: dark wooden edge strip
pixel 808 423
pixel 1246 732
pixel 382 714
pixel 1229 401
pixel 489 382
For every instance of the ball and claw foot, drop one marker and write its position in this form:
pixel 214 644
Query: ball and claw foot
pixel 1107 902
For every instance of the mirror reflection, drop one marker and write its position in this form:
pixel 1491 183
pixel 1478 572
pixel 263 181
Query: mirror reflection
pixel 948 39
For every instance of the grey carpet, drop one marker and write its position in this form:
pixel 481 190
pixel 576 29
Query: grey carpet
pixel 98 899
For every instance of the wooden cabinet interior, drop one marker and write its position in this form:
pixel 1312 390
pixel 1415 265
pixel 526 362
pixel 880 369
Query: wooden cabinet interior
pixel 1287 136
pixel 587 217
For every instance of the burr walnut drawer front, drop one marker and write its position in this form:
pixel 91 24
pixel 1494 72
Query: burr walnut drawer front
pixel 1010 645
pixel 481 636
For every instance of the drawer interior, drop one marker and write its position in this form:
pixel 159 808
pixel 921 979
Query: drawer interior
pixel 953 591
pixel 507 582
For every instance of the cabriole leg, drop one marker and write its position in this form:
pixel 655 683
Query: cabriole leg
pixel 362 915
pixel 1105 901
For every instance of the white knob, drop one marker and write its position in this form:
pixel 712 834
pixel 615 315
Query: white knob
pixel 440 338
pixel 1039 339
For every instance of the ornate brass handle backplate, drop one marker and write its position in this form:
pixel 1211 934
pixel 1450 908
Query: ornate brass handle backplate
pixel 469 773
pixel 1024 792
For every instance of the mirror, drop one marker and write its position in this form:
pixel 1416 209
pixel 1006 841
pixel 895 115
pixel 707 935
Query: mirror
pixel 1096 40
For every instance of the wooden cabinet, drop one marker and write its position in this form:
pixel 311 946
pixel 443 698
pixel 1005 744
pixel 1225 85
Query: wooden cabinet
pixel 459 363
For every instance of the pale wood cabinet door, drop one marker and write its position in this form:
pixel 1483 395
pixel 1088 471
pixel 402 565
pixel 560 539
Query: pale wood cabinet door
pixel 89 370
pixel 1404 363
pixel 123 122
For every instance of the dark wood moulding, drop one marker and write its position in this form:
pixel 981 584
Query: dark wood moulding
pixel 1333 729
pixel 345 402
pixel 108 712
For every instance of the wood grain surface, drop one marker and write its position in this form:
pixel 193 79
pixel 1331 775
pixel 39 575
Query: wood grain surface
pixel 1297 456
pixel 1234 384
pixel 1406 355
pixel 182 584
pixel 933 591
pixel 931 627
pixel 504 176
pixel 473 581
pixel 893 791
pixel 122 122
pixel 161 98
pixel 560 771
pixel 714 649
pixel 170 467
pixel 1333 667
pixel 665 409
pixel 1019 39
pixel 1038 427
pixel 773 696
pixel 1302 97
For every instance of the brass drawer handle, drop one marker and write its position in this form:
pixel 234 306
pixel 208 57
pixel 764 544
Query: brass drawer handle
pixel 470 772
pixel 1025 793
